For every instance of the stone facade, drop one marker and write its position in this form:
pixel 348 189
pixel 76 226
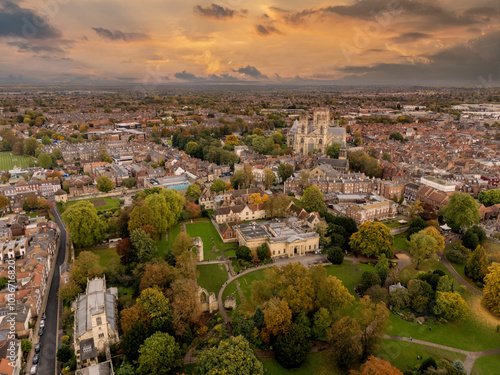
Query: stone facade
pixel 306 136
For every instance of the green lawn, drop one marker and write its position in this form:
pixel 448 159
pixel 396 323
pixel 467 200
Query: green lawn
pixel 315 364
pixel 392 224
pixel 486 365
pixel 230 253
pixel 106 255
pixel 207 232
pixel 403 354
pixel 245 285
pixel 212 276
pixel 348 273
pixel 400 242
pixel 8 161
pixel 111 203
pixel 163 245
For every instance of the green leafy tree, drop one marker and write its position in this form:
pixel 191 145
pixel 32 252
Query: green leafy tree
pixel 4 202
pixel 312 200
pixel 396 136
pixel 64 354
pixel 373 239
pixel 193 192
pixel 277 206
pixel 30 146
pixel 160 212
pixel 140 216
pixel 420 294
pixel 57 154
pixel 183 242
pixel 26 346
pixel 45 160
pixel 491 296
pixel 382 268
pixel 335 255
pixel 217 186
pixel 105 184
pixel 344 338
pixel 474 237
pixel 144 246
pixel 232 356
pixel 160 355
pixel 422 247
pixel 132 340
pixel 291 349
pixel 322 322
pixel 451 306
pixel 372 321
pixel 285 170
pixel 129 182
pixel 462 212
pixel 85 228
pixel 476 267
pixel 244 253
pixel 368 279
pixel 333 150
pixel 269 178
pixel 263 252
pixel 489 197
pixel 46 140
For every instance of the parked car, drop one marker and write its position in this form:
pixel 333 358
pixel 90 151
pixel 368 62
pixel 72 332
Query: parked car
pixel 36 359
pixel 33 370
pixel 40 331
pixel 38 346
pixel 42 323
pixel 44 316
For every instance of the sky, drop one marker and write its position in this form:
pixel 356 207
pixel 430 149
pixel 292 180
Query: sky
pixel 156 42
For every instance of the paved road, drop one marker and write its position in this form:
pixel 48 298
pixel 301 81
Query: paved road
pixel 49 339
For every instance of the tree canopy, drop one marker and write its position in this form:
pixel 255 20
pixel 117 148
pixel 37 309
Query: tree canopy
pixel 312 200
pixel 491 296
pixel 85 228
pixel 462 212
pixel 373 239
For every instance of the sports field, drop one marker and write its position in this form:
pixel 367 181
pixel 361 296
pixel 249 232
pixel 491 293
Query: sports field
pixel 8 161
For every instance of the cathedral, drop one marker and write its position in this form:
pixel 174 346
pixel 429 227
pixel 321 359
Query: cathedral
pixel 316 135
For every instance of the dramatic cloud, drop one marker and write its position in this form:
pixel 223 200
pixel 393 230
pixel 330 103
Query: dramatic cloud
pixel 465 61
pixel 410 37
pixel 186 76
pixel 36 48
pixel 17 22
pixel 119 35
pixel 250 71
pixel 266 30
pixel 214 11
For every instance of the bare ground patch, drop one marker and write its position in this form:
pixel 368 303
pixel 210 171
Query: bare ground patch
pixel 99 202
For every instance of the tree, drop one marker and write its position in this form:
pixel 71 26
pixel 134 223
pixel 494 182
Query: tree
pixel 217 186
pixel 4 202
pixel 461 212
pixel 344 338
pixel 64 354
pixel 186 303
pixel 193 192
pixel 291 349
pixel 399 298
pixel 85 228
pixel 193 209
pixel 416 225
pixel 376 366
pixel 476 267
pixel 57 154
pixel 185 265
pixel 474 237
pixel 489 197
pixel 386 156
pixel 422 247
pixel 396 136
pixel 415 209
pixel 232 356
pixel 244 253
pixel 263 252
pixel 277 206
pixel 141 215
pixel 277 318
pixel 69 291
pixel 285 170
pixel 333 150
pixel 45 160
pixel 420 294
pixel 129 182
pixel 30 146
pixel 269 178
pixel 105 184
pixel 382 268
pixel 183 242
pixel 159 274
pixel 125 250
pixel 159 354
pixel 312 200
pixel 133 339
pixel 144 246
pixel 322 322
pixel 368 279
pixel 491 296
pixel 26 346
pixel 434 233
pixel 373 239
pixel 372 321
pixel 451 306
pixel 46 140
pixel 335 255
pixel 191 148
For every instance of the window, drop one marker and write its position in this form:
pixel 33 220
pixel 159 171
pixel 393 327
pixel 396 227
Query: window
pixel 274 252
pixel 101 335
pixel 99 321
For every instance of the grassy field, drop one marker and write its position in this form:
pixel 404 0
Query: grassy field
pixel 403 354
pixel 487 365
pixel 348 273
pixel 8 161
pixel 316 363
pixel 212 276
pixel 400 242
pixel 245 285
pixel 230 253
pixel 106 255
pixel 111 203
pixel 392 224
pixel 163 245
pixel 207 232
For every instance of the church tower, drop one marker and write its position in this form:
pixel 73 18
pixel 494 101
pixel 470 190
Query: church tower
pixel 343 151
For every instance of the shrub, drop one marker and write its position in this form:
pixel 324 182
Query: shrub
pixel 335 255
pixel 244 253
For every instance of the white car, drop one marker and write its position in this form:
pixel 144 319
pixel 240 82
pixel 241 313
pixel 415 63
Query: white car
pixel 34 370
pixel 42 323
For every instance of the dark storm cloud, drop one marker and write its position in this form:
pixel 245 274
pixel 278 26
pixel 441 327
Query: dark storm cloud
pixel 462 62
pixel 410 37
pixel 214 11
pixel 36 48
pixel 266 30
pixel 186 76
pixel 250 71
pixel 426 10
pixel 17 22
pixel 119 35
